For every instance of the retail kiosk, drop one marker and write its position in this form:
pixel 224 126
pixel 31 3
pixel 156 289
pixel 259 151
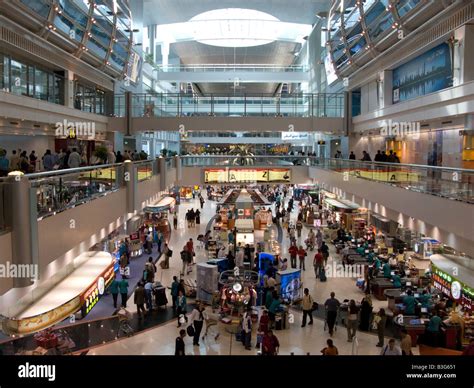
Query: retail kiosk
pixel 89 275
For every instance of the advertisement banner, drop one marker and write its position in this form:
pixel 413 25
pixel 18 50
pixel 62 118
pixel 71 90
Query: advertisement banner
pixel 243 175
pixel 279 175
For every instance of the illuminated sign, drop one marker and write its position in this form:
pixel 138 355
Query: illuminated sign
pixel 242 175
pixel 455 289
pixel 96 290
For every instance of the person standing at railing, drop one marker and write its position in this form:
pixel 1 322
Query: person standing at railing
pixel 390 157
pixel 119 158
pixel 4 163
pixel 396 159
pixel 48 161
pixel 110 157
pixel 352 156
pixel 378 156
pixel 366 157
pixel 74 160
pixel 14 161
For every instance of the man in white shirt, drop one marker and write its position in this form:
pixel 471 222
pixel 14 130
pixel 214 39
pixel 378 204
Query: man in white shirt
pixel 247 328
pixel 197 318
pixel 271 282
pixel 74 160
pixel 239 258
pixel 391 349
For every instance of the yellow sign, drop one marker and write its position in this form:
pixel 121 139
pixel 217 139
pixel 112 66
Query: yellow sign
pixel 279 175
pixel 242 175
pixel 387 176
pixel 215 176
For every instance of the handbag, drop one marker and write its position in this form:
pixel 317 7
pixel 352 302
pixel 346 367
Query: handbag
pixel 315 306
pixel 190 330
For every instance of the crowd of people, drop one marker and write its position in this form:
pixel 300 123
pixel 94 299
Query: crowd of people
pixel 20 160
pixel 381 156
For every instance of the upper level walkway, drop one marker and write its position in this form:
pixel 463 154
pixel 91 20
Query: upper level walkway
pixel 232 72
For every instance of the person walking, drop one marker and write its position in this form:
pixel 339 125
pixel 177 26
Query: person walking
pixel 379 323
pixel 318 263
pixel 332 306
pixel 293 251
pixel 352 320
pixel 123 288
pixel 247 328
pixel 167 253
pixel 197 318
pixel 365 313
pixel 181 307
pixel 325 252
pixel 301 255
pixel 330 350
pixel 174 291
pixel 114 290
pixel 179 346
pixel 197 216
pixel 299 228
pixel 201 200
pixel 175 221
pixel 270 344
pixel 149 296
pixel 307 305
pixel 139 299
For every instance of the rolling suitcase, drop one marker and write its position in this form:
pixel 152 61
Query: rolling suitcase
pixel 322 275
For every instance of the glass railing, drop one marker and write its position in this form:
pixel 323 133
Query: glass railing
pixel 173 105
pixel 3 204
pixel 63 189
pixel 452 183
pixel 60 190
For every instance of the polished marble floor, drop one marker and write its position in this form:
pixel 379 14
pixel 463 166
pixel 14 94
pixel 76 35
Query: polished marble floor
pixel 297 340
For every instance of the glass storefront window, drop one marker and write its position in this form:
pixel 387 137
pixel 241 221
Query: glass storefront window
pixel 19 78
pixel 375 12
pixel 41 85
pixel 75 12
pixel 41 7
pixel 4 72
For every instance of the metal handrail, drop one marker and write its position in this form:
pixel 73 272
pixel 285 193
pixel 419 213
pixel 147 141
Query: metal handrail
pixel 66 171
pixel 388 164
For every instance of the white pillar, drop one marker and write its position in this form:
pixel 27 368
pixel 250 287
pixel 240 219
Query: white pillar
pixel 463 59
pixel 165 52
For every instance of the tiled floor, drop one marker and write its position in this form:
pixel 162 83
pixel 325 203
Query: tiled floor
pixel 311 339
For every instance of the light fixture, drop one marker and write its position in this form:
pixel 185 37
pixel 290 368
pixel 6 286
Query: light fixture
pixel 237 287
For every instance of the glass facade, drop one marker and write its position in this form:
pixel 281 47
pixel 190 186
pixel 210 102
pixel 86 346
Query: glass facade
pixel 23 79
pixel 89 99
pixel 363 23
pixel 103 26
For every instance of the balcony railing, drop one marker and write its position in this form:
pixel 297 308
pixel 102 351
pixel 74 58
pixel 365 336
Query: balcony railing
pixel 60 190
pixel 229 105
pixel 452 183
pixel 217 68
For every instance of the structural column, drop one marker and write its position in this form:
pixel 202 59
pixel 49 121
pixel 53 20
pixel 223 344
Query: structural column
pixel 162 162
pixel 130 180
pixel 23 219
pixel 179 169
pixel 69 96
